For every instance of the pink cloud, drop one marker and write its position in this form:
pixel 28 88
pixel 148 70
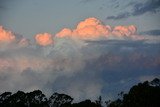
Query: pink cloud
pixel 6 36
pixel 44 39
pixel 90 28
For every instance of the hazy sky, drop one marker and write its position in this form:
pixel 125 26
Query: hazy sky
pixel 84 48
pixel 29 17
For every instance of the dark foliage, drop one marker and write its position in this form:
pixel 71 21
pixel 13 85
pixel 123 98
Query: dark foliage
pixel 145 94
pixel 86 103
pixel 60 100
pixel 21 99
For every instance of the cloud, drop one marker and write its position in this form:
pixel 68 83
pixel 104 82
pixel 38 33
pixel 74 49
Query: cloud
pixel 124 30
pixel 90 28
pixel 152 39
pixel 9 38
pixel 75 85
pixel 94 29
pixel 120 16
pixel 44 39
pixel 33 67
pixel 87 59
pixel 155 32
pixel 6 36
pixel 24 42
pixel 150 6
pixel 73 69
pixel 90 87
pixel 86 1
pixel 64 32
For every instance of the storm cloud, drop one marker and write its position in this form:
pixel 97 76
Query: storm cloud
pixel 85 62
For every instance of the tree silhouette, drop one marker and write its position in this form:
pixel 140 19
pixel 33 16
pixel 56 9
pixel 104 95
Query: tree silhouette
pixel 36 99
pixel 3 97
pixel 21 99
pixel 146 94
pixel 155 82
pixel 86 103
pixel 15 100
pixel 60 100
pixel 99 101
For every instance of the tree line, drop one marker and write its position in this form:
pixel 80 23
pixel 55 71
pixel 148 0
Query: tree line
pixel 146 94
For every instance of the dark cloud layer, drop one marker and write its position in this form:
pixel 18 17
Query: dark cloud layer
pixel 155 32
pixel 139 8
pixel 149 6
pixel 100 67
pixel 120 16
pixel 86 1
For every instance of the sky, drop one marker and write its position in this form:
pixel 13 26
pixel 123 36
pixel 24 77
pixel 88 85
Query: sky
pixel 84 48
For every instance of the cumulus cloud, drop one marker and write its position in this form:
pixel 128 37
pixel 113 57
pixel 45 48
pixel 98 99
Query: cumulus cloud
pixel 64 32
pixel 44 39
pixel 124 30
pixel 76 63
pixel 6 36
pixel 90 28
pixel 94 29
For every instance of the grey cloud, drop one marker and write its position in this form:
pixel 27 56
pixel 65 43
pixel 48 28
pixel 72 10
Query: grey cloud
pixel 4 4
pixel 76 69
pixel 117 64
pixel 155 32
pixel 120 16
pixel 33 67
pixel 86 1
pixel 151 6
